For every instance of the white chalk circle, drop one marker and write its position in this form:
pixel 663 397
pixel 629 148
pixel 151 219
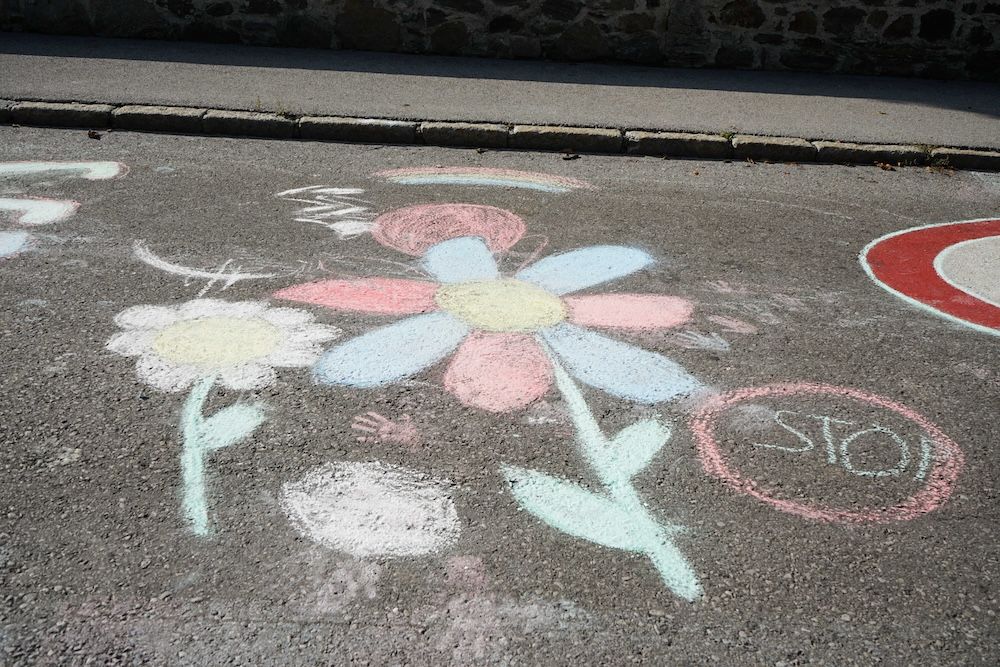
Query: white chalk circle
pixel 373 509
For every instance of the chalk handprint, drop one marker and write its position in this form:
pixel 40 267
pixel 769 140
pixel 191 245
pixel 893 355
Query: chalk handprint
pixel 379 429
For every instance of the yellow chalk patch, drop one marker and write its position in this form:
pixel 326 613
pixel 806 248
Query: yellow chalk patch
pixel 502 305
pixel 217 341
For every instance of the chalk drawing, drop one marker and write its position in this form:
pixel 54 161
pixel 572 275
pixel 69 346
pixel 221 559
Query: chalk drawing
pixel 378 429
pixel 485 177
pixel 415 229
pixel 704 341
pixel 341 210
pixel 89 170
pixel 228 277
pixel 616 517
pixel 941 460
pixel 12 243
pixel 496 326
pixel 34 211
pixel 373 510
pixel 206 342
pixel 838 449
pixel 733 325
pixel 948 269
pixel 511 338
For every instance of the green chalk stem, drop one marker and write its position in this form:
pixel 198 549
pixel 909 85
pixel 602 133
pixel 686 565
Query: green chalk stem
pixel 193 457
pixel 203 435
pixel 615 462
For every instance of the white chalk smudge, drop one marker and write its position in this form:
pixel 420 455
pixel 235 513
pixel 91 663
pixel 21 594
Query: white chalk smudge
pixel 373 509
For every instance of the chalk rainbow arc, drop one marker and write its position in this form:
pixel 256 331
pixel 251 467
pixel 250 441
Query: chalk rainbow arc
pixel 484 176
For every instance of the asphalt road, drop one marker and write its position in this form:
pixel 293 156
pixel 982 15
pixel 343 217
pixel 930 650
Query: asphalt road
pixel 826 493
pixel 392 85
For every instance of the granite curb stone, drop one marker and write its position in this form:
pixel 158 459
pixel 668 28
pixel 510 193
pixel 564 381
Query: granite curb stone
pixel 557 138
pixel 190 120
pixel 367 130
pixel 62 114
pixel 249 124
pixel 964 158
pixel 780 149
pixel 476 135
pixel 158 118
pixel 678 144
pixel 852 153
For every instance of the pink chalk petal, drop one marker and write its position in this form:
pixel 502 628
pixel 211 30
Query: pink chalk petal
pixel 629 311
pixel 498 372
pixel 369 295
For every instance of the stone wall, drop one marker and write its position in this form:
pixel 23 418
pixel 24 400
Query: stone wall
pixel 934 38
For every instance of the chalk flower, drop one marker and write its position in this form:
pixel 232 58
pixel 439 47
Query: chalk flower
pixel 506 332
pixel 238 343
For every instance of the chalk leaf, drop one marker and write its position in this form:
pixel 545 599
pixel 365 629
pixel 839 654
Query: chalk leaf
pixel 231 424
pixel 634 446
pixel 572 509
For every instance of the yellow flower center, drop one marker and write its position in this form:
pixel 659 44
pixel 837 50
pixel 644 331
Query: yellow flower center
pixel 217 341
pixel 501 305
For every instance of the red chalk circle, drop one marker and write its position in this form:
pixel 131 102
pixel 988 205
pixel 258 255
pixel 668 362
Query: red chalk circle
pixel 414 229
pixel 948 459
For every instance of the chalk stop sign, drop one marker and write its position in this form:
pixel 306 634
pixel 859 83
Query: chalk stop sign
pixel 827 453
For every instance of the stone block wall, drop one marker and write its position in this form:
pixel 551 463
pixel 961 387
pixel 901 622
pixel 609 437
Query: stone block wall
pixel 933 38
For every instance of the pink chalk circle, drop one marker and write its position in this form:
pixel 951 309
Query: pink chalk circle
pixel 941 478
pixel 414 229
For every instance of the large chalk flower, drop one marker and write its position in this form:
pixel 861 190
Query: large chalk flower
pixel 237 343
pixel 507 332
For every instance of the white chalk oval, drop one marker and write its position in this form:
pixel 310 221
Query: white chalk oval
pixel 373 509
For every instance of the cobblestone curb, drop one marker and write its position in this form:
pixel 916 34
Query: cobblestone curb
pixel 152 118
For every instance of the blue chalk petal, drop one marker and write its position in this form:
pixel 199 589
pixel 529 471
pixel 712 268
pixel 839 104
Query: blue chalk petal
pixel 460 260
pixel 391 353
pixel 578 269
pixel 618 368
pixel 12 243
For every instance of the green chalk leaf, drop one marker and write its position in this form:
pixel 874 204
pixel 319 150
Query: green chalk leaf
pixel 573 509
pixel 635 446
pixel 230 425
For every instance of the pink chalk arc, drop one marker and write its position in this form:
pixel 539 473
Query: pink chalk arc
pixel 948 460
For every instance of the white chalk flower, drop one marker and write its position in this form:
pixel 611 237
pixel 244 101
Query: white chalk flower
pixel 238 343
pixel 373 509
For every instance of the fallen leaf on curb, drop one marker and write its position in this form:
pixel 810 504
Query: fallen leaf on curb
pixel 885 166
pixel 94 134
